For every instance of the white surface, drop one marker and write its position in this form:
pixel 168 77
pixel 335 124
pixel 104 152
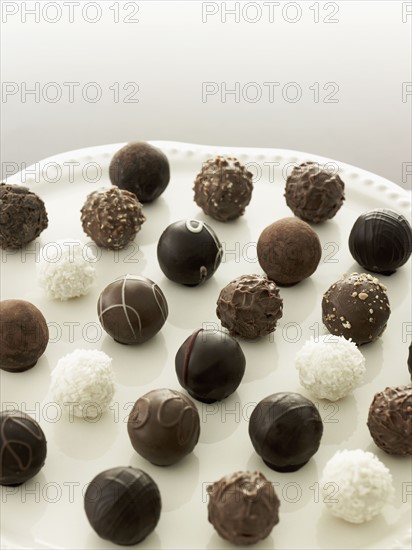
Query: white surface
pixel 78 450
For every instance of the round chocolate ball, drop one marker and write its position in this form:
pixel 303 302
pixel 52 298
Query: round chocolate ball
pixel 164 426
pixel 132 309
pixel 123 505
pixel 189 252
pixel 356 307
pixel 24 335
pixel 141 169
pixel 410 360
pixel 381 240
pixel 23 448
pixel 210 365
pixel 285 429
pixel 288 251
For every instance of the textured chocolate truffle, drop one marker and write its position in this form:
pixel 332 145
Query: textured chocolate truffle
pixel 223 188
pixel 164 426
pixel 356 307
pixel 24 335
pixel 243 507
pixel 381 240
pixel 250 306
pixel 390 420
pixel 210 365
pixel 410 360
pixel 285 429
pixel 132 309
pixel 313 194
pixel 23 448
pixel 112 217
pixel 288 251
pixel 189 252
pixel 123 505
pixel 141 169
pixel 23 216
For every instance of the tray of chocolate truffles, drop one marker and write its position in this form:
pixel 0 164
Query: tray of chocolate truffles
pixel 204 347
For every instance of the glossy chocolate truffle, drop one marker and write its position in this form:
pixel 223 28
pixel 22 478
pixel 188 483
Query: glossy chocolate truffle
pixel 123 505
pixel 112 217
pixel 189 252
pixel 250 306
pixel 381 240
pixel 285 429
pixel 23 216
pixel 356 307
pixel 410 360
pixel 164 426
pixel 141 169
pixel 223 188
pixel 390 420
pixel 210 365
pixel 243 507
pixel 288 251
pixel 132 309
pixel 23 448
pixel 24 335
pixel 314 194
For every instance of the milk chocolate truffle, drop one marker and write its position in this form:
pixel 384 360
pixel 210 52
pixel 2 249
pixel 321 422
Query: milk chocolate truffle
pixel 381 240
pixel 313 194
pixel 288 251
pixel 243 507
pixel 356 307
pixel 223 188
pixel 112 217
pixel 141 169
pixel 123 505
pixel 24 335
pixel 164 426
pixel 210 365
pixel 23 448
pixel 23 216
pixel 410 360
pixel 390 420
pixel 250 306
pixel 132 309
pixel 285 429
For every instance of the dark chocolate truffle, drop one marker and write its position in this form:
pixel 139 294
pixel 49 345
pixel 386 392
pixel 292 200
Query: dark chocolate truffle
pixel 381 240
pixel 390 420
pixel 123 505
pixel 24 335
pixel 23 448
pixel 288 251
pixel 132 309
pixel 313 194
pixel 141 169
pixel 112 217
pixel 223 188
pixel 250 306
pixel 356 307
pixel 410 360
pixel 285 429
pixel 243 507
pixel 23 216
pixel 189 252
pixel 164 426
pixel 210 365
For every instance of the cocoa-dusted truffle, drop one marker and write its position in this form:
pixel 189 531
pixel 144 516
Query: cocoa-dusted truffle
pixel 24 335
pixel 390 420
pixel 356 307
pixel 23 216
pixel 288 251
pixel 313 194
pixel 112 217
pixel 223 188
pixel 250 306
pixel 243 507
pixel 141 169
